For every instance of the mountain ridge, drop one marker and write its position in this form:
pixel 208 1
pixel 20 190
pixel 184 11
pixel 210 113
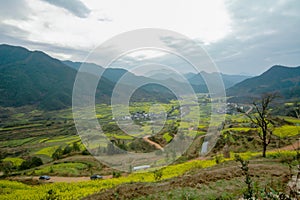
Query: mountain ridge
pixel 35 78
pixel 278 79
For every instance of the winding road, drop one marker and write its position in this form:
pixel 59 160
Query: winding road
pixel 157 146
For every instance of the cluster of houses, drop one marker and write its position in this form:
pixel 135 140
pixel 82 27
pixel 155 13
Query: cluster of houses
pixel 142 116
pixel 232 108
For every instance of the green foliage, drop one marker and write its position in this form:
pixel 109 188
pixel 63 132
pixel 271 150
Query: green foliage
pixel 238 129
pixel 219 158
pixel 157 174
pixel 48 151
pixel 65 169
pixel 249 193
pixel 167 137
pixel 85 152
pixel 57 154
pixel 116 174
pixel 76 147
pixel 31 162
pixel 15 143
pixel 15 161
pixel 293 120
pixel 6 167
pixel 68 149
pixel 286 131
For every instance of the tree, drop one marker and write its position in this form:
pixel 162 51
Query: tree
pixel 6 167
pixel 297 110
pixel 67 150
pixel 262 119
pixel 76 147
pixel 31 162
pixel 228 140
pixel 57 154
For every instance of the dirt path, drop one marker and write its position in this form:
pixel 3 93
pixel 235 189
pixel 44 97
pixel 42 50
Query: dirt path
pixel 291 147
pixel 157 146
pixel 57 179
pixel 250 109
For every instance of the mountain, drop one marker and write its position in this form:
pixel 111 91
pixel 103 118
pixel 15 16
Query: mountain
pixel 112 74
pixel 228 80
pixel 164 78
pixel 35 78
pixel 281 79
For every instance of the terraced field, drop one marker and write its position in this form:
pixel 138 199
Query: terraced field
pixel 42 134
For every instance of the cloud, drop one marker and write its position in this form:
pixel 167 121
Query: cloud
pixel 14 9
pixel 263 34
pixel 240 36
pixel 104 19
pixel 14 36
pixel 76 7
pixel 8 31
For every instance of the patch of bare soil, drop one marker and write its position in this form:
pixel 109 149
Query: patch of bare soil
pixel 292 147
pixel 204 176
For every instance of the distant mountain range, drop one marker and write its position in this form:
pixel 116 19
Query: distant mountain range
pixel 228 80
pixel 278 79
pixel 197 80
pixel 35 78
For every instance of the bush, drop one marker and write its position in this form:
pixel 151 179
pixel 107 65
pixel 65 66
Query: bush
pixel 85 152
pixel 76 147
pixel 31 162
pixel 6 167
pixel 67 150
pixel 116 174
pixel 157 175
pixel 57 154
pixel 219 158
pixel 249 193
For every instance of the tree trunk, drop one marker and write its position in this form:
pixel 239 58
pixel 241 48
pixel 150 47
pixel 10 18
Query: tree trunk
pixel 264 149
pixel 226 152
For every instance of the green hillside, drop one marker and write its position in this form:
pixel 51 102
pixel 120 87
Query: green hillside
pixel 283 80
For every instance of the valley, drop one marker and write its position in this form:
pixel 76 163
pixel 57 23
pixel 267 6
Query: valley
pixel 197 146
pixel 41 133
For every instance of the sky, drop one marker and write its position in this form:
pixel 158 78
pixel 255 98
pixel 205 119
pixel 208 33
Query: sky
pixel 241 37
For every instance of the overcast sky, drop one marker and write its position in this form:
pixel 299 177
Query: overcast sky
pixel 240 36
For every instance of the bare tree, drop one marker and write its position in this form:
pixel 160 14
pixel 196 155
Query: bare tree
pixel 297 110
pixel 228 139
pixel 262 119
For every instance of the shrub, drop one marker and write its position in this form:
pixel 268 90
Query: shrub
pixel 31 162
pixel 67 150
pixel 57 154
pixel 76 147
pixel 219 158
pixel 248 194
pixel 157 175
pixel 116 174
